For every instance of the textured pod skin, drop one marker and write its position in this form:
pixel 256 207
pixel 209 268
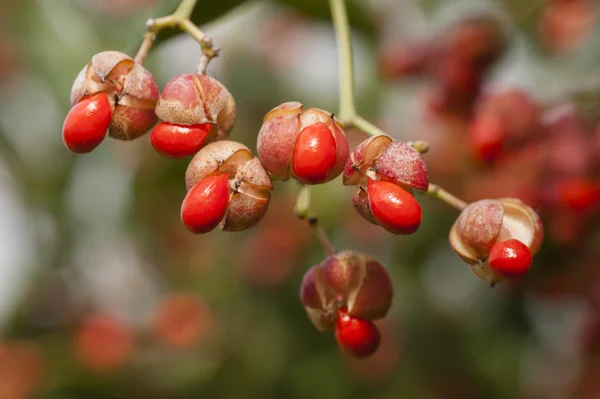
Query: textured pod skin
pixel 280 151
pixel 318 300
pixel 381 157
pixel 131 90
pixel 484 223
pixel 194 99
pixel 347 280
pixel 248 183
pixel 478 225
pixel 361 204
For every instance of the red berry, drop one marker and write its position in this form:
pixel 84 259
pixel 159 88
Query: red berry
pixel 579 194
pixel 511 258
pixel 205 204
pixel 394 208
pixel 487 135
pixel 182 320
pixel 86 123
pixel 357 336
pixel 314 154
pixel 103 343
pixel 178 140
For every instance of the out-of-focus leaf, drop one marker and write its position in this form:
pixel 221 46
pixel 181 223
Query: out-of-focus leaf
pixel 358 16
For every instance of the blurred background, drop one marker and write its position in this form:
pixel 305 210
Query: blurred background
pixel 104 294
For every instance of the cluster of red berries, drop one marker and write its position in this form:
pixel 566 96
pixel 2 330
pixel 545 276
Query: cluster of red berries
pixel 458 61
pixel 104 342
pixel 228 187
pixel 565 25
pixel 554 149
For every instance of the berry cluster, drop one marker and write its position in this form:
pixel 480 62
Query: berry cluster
pixel 458 61
pixel 229 187
pixel 103 342
pixel 555 151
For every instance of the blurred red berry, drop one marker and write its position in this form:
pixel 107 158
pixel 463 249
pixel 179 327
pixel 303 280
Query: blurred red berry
pixel 103 343
pixel 22 367
pixel 182 320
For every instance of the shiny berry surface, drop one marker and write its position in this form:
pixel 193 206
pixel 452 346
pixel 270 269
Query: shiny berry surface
pixel 205 204
pixel 314 154
pixel 176 141
pixel 511 258
pixel 86 123
pixel 394 208
pixel 357 336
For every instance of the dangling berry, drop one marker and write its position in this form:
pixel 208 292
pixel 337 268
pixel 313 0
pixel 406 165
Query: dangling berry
pixel 86 123
pixel 347 280
pixel 227 186
pixel 314 154
pixel 357 336
pixel 512 258
pixel 205 204
pixel 307 145
pixel 178 140
pixel 394 208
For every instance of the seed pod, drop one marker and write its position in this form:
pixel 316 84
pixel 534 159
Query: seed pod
pixel 347 280
pixel 193 102
pixel 486 222
pixel 248 186
pixel 318 300
pixel 130 88
pixel 380 158
pixel 307 145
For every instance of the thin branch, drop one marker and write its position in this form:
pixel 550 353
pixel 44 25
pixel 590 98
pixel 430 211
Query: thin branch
pixel 344 45
pixel 437 192
pixel 361 123
pixel 180 19
pixel 304 212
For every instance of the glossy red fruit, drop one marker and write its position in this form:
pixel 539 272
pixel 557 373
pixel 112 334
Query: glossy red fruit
pixel 205 204
pixel 314 154
pixel 357 336
pixel 86 123
pixel 511 258
pixel 178 140
pixel 394 208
